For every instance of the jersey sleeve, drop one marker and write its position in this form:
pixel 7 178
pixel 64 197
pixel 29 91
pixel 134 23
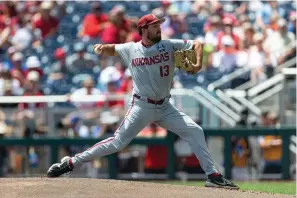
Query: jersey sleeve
pixel 179 44
pixel 123 50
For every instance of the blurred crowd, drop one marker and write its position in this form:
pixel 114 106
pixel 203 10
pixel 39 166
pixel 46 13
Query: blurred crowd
pixel 246 151
pixel 39 37
pixel 46 49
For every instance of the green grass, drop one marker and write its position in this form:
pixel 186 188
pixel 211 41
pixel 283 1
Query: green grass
pixel 280 187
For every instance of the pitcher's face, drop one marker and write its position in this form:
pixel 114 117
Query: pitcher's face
pixel 154 32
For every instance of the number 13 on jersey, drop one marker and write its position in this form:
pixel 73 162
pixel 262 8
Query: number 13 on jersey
pixel 164 70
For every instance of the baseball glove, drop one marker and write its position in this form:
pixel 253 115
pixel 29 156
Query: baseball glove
pixel 184 60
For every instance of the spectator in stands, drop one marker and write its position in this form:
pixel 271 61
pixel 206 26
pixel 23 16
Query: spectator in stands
pixel 59 9
pixel 239 28
pixel 133 35
pixel 292 24
pixel 94 22
pixel 32 88
pixel 275 122
pixel 4 39
pixel 257 60
pixel 241 7
pixel 57 83
pixel 2 116
pixel 211 29
pixel 248 35
pixel 8 85
pixel 43 21
pixel 165 4
pixel 60 64
pixel 22 39
pixel 81 61
pixel 23 13
pixel 7 62
pixel 176 23
pixel 76 127
pixel 73 123
pixel 116 31
pixel 87 89
pixel 109 123
pixel 33 64
pixel 8 15
pixel 3 150
pixel 162 10
pixel 30 114
pixel 278 43
pixel 116 105
pixel 226 59
pixel 156 156
pixel 109 74
pixel 127 83
pixel 268 9
pixel 272 153
pixel 229 23
pixel 17 70
pixel 202 7
pixel 184 7
pixel 264 120
pixel 240 156
pixel 273 26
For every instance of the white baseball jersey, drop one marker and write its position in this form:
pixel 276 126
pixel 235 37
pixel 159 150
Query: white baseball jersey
pixel 152 71
pixel 152 68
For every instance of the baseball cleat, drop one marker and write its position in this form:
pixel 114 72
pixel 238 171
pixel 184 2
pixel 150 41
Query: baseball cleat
pixel 62 168
pixel 219 181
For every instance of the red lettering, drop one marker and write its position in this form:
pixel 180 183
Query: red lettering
pixel 166 56
pixel 136 61
pixel 164 71
pixel 141 61
pixel 133 62
pixel 146 61
pixel 157 58
pixel 152 60
pixel 162 58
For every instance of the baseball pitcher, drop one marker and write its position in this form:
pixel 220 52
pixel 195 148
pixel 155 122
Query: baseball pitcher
pixel 152 62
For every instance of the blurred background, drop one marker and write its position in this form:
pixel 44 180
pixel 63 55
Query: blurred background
pixel 248 80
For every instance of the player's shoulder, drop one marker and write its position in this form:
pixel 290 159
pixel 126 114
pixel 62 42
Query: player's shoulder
pixel 174 41
pixel 125 47
pixel 166 42
pixel 127 44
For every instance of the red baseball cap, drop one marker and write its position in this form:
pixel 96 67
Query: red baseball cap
pixel 149 19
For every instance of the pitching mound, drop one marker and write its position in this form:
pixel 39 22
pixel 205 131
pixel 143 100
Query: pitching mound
pixel 74 188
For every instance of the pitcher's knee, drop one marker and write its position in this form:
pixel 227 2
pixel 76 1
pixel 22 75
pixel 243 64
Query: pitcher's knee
pixel 119 144
pixel 195 129
pixel 193 132
pixel 198 128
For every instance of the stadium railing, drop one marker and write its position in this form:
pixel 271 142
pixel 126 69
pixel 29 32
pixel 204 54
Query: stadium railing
pixel 205 107
pixel 244 71
pixel 250 84
pixel 251 98
pixel 54 144
pixel 213 108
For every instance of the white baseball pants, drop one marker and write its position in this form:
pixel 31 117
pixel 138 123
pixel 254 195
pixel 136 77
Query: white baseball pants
pixel 139 116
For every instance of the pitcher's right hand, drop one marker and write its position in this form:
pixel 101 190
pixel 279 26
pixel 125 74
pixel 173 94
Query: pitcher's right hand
pixel 98 49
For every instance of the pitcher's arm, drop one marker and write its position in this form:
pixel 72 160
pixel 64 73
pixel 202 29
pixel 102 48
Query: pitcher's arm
pixel 105 49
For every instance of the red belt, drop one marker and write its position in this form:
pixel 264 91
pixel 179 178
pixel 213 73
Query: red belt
pixel 156 102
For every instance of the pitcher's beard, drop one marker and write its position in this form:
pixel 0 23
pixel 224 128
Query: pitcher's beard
pixel 154 39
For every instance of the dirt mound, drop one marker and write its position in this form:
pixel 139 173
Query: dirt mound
pixel 77 188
